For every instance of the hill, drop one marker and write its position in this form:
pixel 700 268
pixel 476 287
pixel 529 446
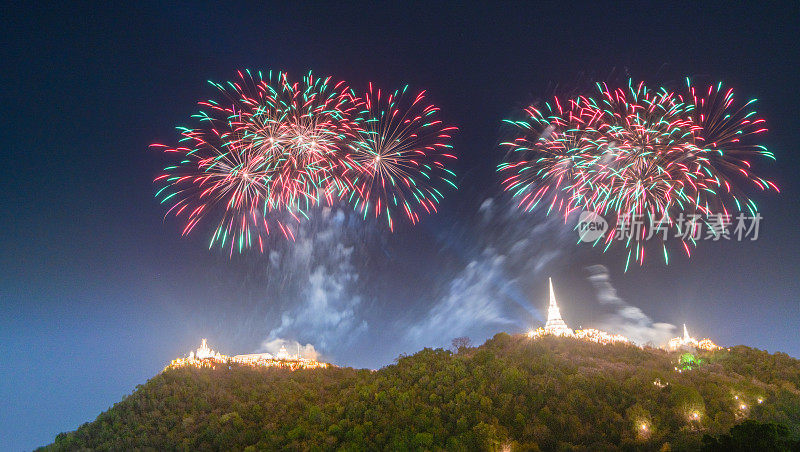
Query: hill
pixel 550 393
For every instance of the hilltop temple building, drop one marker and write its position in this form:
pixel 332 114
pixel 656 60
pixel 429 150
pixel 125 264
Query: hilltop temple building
pixel 688 342
pixel 205 353
pixel 556 326
pixel 208 358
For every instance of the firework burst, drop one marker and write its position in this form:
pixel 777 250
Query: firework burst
pixel 644 137
pixel 268 149
pixel 317 128
pixel 401 153
pixel 637 153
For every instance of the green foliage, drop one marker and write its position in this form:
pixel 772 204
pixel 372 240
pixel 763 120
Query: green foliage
pixel 688 361
pixel 545 394
pixel 752 436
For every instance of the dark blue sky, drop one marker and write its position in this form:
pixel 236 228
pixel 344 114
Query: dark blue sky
pixel 98 293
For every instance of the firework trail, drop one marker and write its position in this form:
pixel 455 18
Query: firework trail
pixel 400 154
pixel 723 143
pixel 551 157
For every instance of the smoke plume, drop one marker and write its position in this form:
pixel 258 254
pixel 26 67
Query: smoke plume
pixel 318 269
pixel 292 347
pixel 626 319
pixel 501 260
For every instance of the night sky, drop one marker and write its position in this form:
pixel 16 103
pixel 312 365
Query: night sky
pixel 98 292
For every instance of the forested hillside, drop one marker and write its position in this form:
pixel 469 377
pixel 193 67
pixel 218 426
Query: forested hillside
pixel 551 393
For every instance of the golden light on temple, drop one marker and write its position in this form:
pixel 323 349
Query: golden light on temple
pixel 205 357
pixel 556 326
pixel 687 341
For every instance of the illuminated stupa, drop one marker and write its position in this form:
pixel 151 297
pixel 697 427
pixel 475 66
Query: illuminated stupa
pixel 283 354
pixel 205 353
pixel 555 324
pixel 688 342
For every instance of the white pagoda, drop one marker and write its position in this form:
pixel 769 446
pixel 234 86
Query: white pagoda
pixel 555 324
pixel 688 342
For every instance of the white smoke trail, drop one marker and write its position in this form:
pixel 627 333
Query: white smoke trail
pixel 626 319
pixel 489 293
pixel 325 299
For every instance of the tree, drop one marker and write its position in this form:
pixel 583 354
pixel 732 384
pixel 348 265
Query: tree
pixel 461 343
pixel 752 435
